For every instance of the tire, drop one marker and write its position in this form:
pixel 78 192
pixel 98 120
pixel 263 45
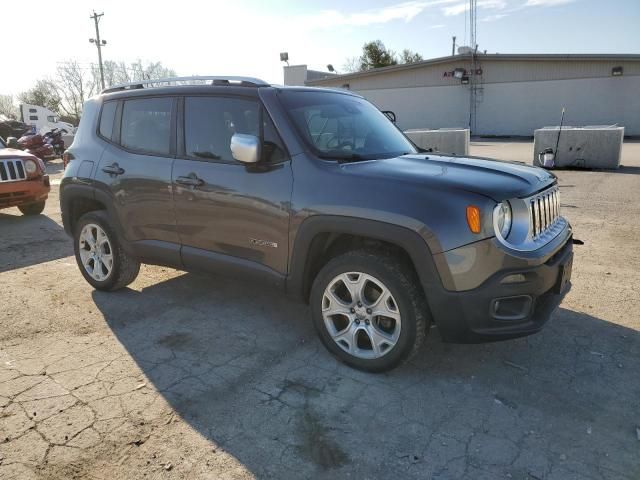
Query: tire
pixel 105 253
pixel 32 208
pixel 387 285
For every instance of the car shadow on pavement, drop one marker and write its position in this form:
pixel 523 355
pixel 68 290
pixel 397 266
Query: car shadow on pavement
pixel 54 166
pixel 242 366
pixel 30 240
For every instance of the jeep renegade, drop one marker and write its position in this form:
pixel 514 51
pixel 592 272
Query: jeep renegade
pixel 316 192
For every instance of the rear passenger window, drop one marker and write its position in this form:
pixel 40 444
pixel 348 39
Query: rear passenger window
pixel 107 117
pixel 210 122
pixel 146 125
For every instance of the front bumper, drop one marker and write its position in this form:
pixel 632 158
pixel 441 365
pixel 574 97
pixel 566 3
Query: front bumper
pixel 14 194
pixel 499 311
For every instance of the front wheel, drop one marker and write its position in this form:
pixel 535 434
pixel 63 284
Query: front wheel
pixel 369 310
pixel 102 260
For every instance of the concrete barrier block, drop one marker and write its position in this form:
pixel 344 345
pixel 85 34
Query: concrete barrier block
pixel 445 140
pixel 584 147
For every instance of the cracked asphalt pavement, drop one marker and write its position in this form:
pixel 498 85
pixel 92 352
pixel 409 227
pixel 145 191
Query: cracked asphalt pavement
pixel 186 376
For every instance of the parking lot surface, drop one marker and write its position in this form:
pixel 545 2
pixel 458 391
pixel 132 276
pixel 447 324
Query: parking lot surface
pixel 187 376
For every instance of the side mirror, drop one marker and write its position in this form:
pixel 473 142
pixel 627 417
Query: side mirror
pixel 245 148
pixel 390 115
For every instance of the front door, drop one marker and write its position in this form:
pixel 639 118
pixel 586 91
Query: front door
pixel 230 215
pixel 135 171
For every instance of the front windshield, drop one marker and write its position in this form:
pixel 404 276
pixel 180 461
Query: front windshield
pixel 343 126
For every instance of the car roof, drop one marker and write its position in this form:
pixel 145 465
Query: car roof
pixel 248 90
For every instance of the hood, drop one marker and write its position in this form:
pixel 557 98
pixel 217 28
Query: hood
pixel 14 153
pixel 495 179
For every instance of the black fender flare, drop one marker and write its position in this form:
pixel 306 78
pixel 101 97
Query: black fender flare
pixel 72 192
pixel 410 241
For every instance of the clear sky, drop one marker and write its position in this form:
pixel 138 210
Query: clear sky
pixel 245 37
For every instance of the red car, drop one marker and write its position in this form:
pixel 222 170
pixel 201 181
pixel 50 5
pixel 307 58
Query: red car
pixel 23 181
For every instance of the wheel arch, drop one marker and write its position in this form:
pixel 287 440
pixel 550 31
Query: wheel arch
pixel 320 238
pixel 76 200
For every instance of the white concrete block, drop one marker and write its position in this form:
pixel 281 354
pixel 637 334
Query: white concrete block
pixel 445 140
pixel 585 147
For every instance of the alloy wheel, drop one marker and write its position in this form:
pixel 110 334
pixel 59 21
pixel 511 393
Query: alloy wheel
pixel 361 315
pixel 96 253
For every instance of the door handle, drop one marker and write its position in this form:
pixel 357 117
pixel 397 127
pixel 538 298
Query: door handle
pixel 113 169
pixel 190 181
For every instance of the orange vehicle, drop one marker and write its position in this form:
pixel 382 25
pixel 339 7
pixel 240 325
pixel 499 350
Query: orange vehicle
pixel 23 181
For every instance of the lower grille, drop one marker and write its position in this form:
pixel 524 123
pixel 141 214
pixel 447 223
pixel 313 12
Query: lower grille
pixel 545 211
pixel 12 171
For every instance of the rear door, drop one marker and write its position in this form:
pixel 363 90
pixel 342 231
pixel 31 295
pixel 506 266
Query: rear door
pixel 135 172
pixel 229 214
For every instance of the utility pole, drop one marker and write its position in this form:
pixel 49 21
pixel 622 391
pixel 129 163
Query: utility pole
pixel 99 43
pixel 473 6
pixel 453 46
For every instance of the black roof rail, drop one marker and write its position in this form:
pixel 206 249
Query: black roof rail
pixel 195 80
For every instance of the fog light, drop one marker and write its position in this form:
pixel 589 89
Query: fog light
pixel 514 278
pixel 512 308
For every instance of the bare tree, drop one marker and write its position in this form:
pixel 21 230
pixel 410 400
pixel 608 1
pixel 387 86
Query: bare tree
pixel 120 72
pixel 351 65
pixel 7 107
pixel 74 84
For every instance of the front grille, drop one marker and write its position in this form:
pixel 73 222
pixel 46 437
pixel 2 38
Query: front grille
pixel 12 171
pixel 545 211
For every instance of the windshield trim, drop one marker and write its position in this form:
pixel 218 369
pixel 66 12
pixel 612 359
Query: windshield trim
pixel 333 157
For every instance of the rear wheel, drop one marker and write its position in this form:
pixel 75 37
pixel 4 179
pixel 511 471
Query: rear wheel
pixel 369 310
pixel 102 261
pixel 32 208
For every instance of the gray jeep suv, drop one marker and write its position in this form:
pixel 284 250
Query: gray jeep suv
pixel 315 192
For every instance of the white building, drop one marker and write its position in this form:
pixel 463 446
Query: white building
pixel 500 94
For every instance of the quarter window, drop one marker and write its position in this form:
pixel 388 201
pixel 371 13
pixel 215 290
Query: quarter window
pixel 106 119
pixel 210 122
pixel 146 125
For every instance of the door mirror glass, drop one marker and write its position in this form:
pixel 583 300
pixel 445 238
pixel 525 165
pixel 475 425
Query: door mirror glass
pixel 245 148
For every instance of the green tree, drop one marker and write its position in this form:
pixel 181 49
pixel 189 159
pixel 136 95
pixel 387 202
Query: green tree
pixel 407 56
pixel 376 55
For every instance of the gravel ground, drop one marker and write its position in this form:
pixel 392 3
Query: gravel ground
pixel 184 376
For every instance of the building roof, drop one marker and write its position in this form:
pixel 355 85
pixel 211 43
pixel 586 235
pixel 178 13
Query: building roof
pixel 482 57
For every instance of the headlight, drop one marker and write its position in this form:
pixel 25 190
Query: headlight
pixel 502 219
pixel 30 166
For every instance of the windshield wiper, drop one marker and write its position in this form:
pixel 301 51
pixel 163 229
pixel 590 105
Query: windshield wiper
pixel 343 157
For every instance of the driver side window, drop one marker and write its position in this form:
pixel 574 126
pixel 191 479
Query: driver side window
pixel 210 122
